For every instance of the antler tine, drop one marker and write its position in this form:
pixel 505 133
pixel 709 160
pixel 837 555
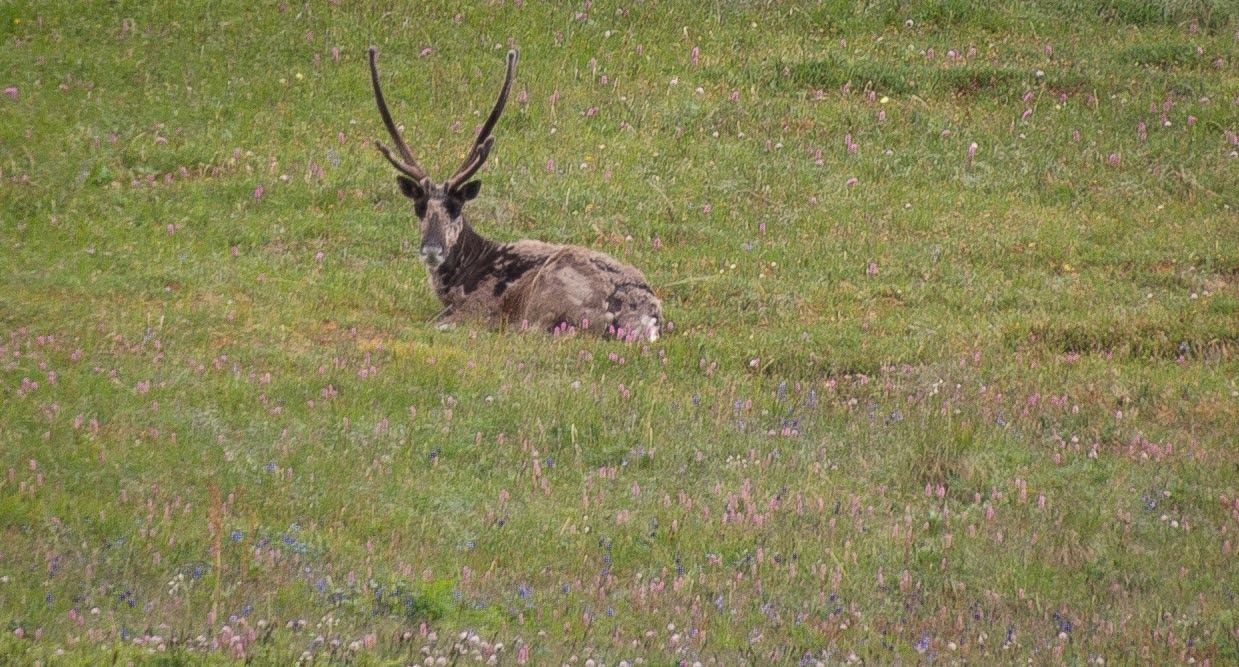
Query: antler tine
pixel 473 162
pixel 400 166
pixel 408 164
pixel 482 144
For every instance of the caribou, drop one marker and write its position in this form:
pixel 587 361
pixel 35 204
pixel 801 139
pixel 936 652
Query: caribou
pixel 526 283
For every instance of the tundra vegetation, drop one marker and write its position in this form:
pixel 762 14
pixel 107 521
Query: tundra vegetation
pixel 948 373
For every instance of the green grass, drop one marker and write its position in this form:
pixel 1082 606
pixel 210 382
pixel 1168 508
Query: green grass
pixel 970 409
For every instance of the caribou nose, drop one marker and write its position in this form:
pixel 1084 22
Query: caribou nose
pixel 432 254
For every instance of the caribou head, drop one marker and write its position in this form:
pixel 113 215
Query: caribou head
pixel 439 207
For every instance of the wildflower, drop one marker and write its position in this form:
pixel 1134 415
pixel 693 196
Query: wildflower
pixel 11 91
pixel 258 191
pixel 696 52
pixel 850 182
pixel 922 644
pixel 972 151
pixel 426 51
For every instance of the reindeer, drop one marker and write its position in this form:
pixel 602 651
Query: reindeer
pixel 524 283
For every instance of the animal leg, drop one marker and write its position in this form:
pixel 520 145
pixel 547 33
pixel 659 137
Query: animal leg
pixel 635 312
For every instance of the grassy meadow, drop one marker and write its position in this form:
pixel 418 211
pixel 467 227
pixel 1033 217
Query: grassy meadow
pixel 952 376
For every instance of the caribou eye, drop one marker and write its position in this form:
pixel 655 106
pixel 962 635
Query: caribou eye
pixel 453 205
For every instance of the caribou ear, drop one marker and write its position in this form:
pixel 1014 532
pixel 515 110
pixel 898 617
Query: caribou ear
pixel 410 188
pixel 470 190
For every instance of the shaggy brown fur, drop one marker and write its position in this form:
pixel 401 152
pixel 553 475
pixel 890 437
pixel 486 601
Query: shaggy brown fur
pixel 525 284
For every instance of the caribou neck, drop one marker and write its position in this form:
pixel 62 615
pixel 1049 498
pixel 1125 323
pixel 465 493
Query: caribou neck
pixel 471 256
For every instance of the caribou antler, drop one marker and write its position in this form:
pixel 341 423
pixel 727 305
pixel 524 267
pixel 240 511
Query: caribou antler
pixel 484 142
pixel 406 164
